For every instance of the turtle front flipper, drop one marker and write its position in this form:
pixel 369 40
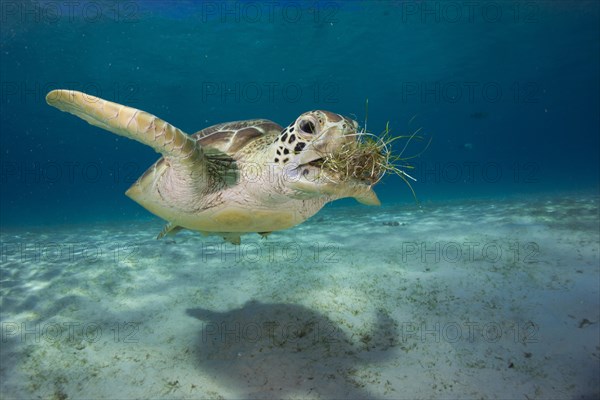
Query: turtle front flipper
pixel 129 122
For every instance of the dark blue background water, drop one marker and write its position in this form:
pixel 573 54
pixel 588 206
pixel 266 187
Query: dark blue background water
pixel 509 91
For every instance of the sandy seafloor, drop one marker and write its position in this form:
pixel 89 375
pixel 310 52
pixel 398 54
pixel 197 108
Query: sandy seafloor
pixel 482 299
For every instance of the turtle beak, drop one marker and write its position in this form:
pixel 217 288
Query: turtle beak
pixel 323 145
pixel 308 156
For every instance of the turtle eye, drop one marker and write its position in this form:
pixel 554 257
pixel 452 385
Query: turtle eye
pixel 307 126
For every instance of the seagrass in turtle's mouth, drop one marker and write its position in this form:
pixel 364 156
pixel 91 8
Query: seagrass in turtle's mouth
pixel 361 161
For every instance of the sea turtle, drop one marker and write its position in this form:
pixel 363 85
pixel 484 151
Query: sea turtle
pixel 231 178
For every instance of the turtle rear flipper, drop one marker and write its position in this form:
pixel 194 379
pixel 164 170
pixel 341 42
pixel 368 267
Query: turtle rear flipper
pixel 129 122
pixel 170 229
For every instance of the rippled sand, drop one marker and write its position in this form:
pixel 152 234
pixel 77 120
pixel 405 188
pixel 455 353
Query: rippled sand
pixel 486 299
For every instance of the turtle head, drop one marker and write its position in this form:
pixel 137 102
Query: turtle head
pixel 302 148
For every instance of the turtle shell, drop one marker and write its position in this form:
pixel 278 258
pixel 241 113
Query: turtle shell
pixel 217 140
pixel 230 137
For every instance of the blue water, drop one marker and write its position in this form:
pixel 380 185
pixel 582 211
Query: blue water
pixel 503 232
pixel 507 91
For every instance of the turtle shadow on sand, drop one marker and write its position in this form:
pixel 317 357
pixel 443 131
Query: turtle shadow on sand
pixel 277 350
